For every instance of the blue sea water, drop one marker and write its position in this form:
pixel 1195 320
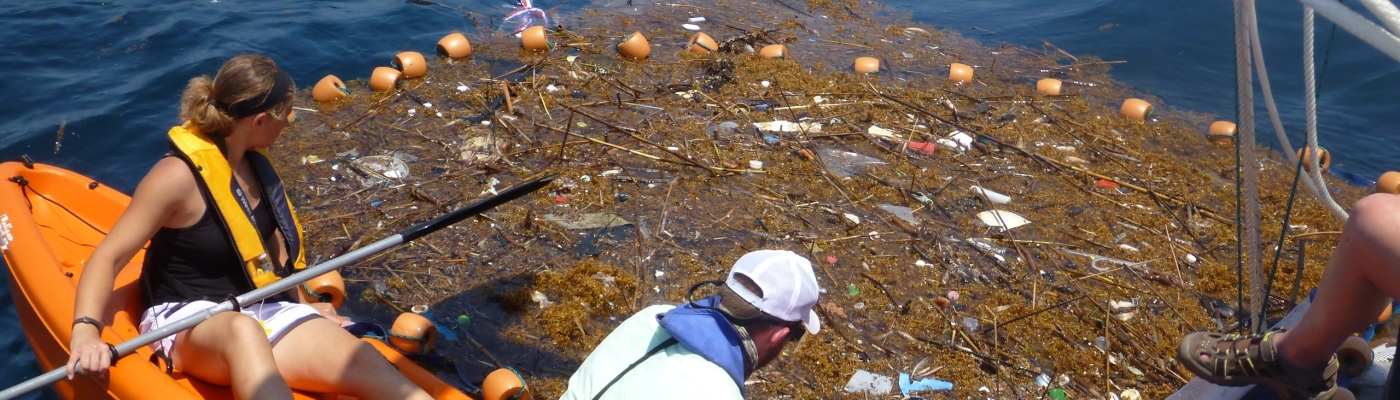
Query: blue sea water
pixel 111 72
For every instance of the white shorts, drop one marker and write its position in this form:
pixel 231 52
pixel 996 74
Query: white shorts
pixel 277 318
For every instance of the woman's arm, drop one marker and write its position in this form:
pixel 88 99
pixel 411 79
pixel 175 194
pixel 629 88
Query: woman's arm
pixel 161 198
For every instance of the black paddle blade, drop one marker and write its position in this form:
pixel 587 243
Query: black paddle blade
pixel 460 214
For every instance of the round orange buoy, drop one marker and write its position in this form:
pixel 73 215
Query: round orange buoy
pixel 1137 109
pixel 960 73
pixel 330 287
pixel 1389 183
pixel 1324 158
pixel 1385 314
pixel 867 65
pixel 384 79
pixel 413 334
pixel 329 88
pixel 635 46
pixel 535 39
pixel 504 384
pixel 1355 356
pixel 700 43
pixel 774 51
pixel 1049 86
pixel 454 45
pixel 1222 132
pixel 412 64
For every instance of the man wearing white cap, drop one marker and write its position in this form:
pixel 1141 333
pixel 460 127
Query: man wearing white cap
pixel 706 348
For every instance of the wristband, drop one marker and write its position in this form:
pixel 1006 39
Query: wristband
pixel 89 321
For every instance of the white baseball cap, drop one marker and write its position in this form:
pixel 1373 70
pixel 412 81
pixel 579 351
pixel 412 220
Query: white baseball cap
pixel 788 284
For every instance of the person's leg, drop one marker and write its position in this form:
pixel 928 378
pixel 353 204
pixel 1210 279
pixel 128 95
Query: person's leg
pixel 231 349
pixel 320 356
pixel 1361 277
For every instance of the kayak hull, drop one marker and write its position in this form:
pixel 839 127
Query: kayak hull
pixel 50 221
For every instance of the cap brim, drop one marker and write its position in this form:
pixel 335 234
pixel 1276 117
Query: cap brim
pixel 813 324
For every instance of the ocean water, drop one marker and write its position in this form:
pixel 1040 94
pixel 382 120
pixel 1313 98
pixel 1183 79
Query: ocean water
pixel 111 73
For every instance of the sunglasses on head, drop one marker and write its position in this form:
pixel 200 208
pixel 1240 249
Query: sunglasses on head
pixel 795 328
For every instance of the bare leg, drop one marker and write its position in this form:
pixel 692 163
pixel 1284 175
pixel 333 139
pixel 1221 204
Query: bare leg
pixel 231 349
pixel 1362 276
pixel 318 355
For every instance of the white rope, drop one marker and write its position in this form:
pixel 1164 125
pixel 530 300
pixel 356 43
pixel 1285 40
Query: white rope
pixel 1386 12
pixel 1316 184
pixel 1358 25
pixel 1248 161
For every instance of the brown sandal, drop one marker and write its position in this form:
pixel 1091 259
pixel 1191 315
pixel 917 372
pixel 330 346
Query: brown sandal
pixel 1235 360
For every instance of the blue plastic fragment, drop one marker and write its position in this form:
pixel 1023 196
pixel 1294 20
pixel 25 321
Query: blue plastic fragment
pixel 905 386
pixel 771 139
pixel 376 203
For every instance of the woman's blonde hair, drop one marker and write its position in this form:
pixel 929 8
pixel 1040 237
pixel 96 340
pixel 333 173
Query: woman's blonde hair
pixel 243 79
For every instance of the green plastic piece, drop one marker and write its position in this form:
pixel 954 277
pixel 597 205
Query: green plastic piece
pixel 853 290
pixel 463 319
pixel 1057 394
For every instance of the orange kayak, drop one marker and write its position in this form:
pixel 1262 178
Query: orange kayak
pixel 50 221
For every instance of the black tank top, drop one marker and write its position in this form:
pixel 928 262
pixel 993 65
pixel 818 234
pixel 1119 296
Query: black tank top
pixel 199 262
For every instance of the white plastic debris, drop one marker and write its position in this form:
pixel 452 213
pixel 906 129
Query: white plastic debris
pixel 461 88
pixel 1002 219
pixel 692 27
pixel 765 84
pixel 427 105
pixel 869 383
pixel 697 19
pixel 1191 258
pixel 788 126
pixel 993 196
pixel 541 299
pixel 853 218
pixel 1130 394
pixel 878 131
pixel 963 140
pixel 1043 380
pixel 1121 305
pixel 755 164
pixel 1128 247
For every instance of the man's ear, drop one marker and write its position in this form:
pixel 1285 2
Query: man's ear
pixel 778 336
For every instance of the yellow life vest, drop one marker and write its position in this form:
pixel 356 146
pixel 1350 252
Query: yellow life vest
pixel 216 182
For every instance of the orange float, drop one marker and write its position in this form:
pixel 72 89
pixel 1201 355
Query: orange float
pixel 774 51
pixel 535 39
pixel 700 43
pixel 384 79
pixel 1388 183
pixel 1324 158
pixel 330 288
pixel 454 45
pixel 47 240
pixel 635 46
pixel 329 88
pixel 960 73
pixel 1137 109
pixel 1049 86
pixel 1221 132
pixel 504 384
pixel 867 65
pixel 413 334
pixel 412 64
pixel 1385 314
pixel 1355 356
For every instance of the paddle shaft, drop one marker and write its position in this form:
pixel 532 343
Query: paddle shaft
pixel 407 235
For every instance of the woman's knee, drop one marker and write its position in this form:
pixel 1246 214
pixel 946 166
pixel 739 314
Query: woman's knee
pixel 1377 214
pixel 242 330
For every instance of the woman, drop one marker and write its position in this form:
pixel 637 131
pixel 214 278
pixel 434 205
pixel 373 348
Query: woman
pixel 219 224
